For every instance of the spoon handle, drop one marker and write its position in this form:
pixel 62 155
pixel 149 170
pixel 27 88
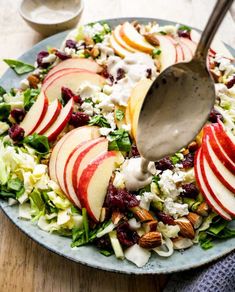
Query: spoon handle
pixel 216 17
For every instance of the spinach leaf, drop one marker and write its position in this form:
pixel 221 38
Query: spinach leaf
pixel 29 97
pixel 119 114
pixel 5 110
pixel 99 120
pixel 184 27
pixel 2 91
pixel 38 142
pixel 98 38
pixel 156 52
pixel 18 66
pixel 6 193
pixel 119 140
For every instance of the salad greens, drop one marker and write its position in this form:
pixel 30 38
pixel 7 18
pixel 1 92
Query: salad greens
pixel 99 120
pixel 38 142
pixel 119 114
pixel 5 110
pixel 119 140
pixel 18 66
pixel 30 95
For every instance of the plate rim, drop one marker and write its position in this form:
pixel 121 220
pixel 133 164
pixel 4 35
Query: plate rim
pixel 139 271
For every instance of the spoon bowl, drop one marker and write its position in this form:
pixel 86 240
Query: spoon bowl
pixel 176 106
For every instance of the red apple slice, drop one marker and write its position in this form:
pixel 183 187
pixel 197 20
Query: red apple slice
pixel 217 148
pixel 225 140
pixel 118 49
pixel 77 161
pixel 94 182
pixel 75 63
pixel 72 80
pixel 223 196
pixel 60 122
pixel 220 171
pixel 204 190
pixel 168 51
pixel 131 36
pixel 121 42
pixel 217 45
pixel 191 45
pixel 186 51
pixel 35 115
pixel 79 136
pixel 51 115
pixel 179 50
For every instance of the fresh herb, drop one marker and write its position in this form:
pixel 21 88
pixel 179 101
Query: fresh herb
pixel 29 97
pixel 5 110
pixel 163 32
pixel 2 91
pixel 15 184
pixel 38 142
pixel 98 38
pixel 184 28
pixel 19 67
pixel 156 52
pixel 85 223
pixel 6 193
pixel 175 159
pixel 36 198
pixel 119 114
pixel 119 140
pixel 99 120
pixel 106 253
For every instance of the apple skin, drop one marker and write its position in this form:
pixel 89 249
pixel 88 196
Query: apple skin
pixel 35 115
pixel 203 188
pixel 229 208
pixel 51 115
pixel 215 164
pixel 190 44
pixel 75 63
pixel 130 35
pixel 96 167
pixel 186 51
pixel 61 121
pixel 120 40
pixel 217 148
pixel 118 49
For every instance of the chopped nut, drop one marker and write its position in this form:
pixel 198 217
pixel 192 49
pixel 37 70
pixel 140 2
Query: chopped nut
pixel 192 147
pixel 33 81
pixel 150 226
pixel 199 137
pixel 142 214
pixel 116 217
pixel 136 25
pixel 203 209
pixel 216 75
pixel 195 219
pixel 186 228
pixel 45 161
pixel 185 152
pixel 151 240
pixel 103 214
pixel 95 52
pixel 151 38
pixel 181 242
pixel 88 41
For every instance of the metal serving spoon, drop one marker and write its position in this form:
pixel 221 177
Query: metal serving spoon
pixel 179 101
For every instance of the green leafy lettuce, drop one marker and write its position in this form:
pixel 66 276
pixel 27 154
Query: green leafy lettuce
pixel 18 66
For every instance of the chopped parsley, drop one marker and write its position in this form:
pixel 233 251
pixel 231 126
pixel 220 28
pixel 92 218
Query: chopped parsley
pixel 99 120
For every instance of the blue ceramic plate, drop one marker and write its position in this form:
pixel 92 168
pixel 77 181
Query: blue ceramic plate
pixel 89 255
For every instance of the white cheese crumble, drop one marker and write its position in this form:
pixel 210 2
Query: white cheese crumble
pixel 146 199
pixel 168 231
pixel 174 209
pixel 168 181
pixel 105 131
pixel 118 181
pixel 49 59
pixel 87 107
pixel 87 90
pixel 24 84
pixel 3 127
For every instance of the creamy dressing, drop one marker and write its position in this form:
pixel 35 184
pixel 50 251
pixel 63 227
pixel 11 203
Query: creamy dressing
pixel 137 174
pixel 53 13
pixel 135 67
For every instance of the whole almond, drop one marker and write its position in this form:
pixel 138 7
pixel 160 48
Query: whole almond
pixel 150 226
pixel 195 219
pixel 186 228
pixel 203 209
pixel 142 214
pixel 33 81
pixel 151 240
pixel 151 38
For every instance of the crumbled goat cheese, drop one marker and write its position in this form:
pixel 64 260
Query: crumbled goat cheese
pixel 87 108
pixel 168 181
pixel 105 131
pixel 118 181
pixel 174 209
pixel 49 59
pixel 91 31
pixel 105 53
pixel 111 120
pixel 69 51
pixel 87 90
pixel 24 84
pixel 126 127
pixel 145 199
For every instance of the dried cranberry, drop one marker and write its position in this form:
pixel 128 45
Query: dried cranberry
pixel 134 151
pixel 184 34
pixel 120 199
pixel 61 55
pixel 188 161
pixel 231 82
pixel 71 44
pixel 166 219
pixel 16 133
pixel 103 242
pixel 106 74
pixel 79 119
pixel 149 73
pixel 215 115
pixel 126 236
pixel 190 190
pixel 164 164
pixel 120 74
pixel 18 114
pixel 67 94
pixel 40 57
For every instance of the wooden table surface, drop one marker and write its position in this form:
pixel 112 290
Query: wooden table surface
pixel 24 265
